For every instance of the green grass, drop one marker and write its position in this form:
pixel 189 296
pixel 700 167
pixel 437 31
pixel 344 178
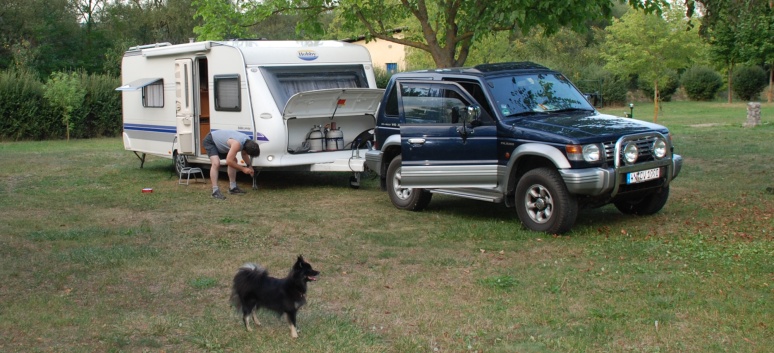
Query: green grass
pixel 90 263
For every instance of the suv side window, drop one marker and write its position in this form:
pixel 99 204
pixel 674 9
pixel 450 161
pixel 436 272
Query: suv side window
pixel 427 103
pixel 475 90
pixel 391 112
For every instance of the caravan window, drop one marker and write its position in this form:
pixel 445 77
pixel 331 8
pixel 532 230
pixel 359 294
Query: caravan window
pixel 153 95
pixel 284 82
pixel 227 93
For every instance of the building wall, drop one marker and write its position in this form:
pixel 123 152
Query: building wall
pixel 384 53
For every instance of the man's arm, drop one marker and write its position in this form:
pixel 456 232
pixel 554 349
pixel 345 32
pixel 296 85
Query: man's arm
pixel 231 160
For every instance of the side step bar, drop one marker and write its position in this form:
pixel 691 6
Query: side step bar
pixel 475 194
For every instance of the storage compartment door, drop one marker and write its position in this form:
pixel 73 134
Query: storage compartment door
pixel 184 106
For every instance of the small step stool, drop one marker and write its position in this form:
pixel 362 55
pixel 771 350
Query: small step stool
pixel 187 172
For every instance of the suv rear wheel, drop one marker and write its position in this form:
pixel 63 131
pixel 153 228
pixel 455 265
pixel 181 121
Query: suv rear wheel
pixel 543 202
pixel 404 198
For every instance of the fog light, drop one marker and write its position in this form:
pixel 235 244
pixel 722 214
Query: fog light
pixel 270 158
pixel 659 148
pixel 631 153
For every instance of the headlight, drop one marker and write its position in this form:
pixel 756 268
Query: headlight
pixel 588 153
pixel 659 148
pixel 630 153
pixel 591 153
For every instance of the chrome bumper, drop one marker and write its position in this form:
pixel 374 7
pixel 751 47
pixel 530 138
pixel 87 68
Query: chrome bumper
pixel 598 181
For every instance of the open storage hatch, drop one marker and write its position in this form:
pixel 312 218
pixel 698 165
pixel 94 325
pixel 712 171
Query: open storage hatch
pixel 330 119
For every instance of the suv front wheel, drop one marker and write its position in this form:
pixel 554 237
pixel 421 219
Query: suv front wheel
pixel 543 202
pixel 410 199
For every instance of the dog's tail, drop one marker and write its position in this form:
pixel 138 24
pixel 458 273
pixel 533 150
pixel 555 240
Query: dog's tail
pixel 246 274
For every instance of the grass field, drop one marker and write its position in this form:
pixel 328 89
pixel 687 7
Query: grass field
pixel 90 264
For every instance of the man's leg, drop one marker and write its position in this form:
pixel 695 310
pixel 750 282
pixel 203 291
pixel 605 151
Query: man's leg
pixel 214 170
pixel 231 176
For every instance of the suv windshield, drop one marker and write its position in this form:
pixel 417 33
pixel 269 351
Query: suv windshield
pixel 536 93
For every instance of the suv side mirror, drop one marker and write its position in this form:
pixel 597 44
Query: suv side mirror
pixel 472 115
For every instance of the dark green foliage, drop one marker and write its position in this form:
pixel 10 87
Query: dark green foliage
pixel 100 114
pixel 665 89
pixel 595 79
pixel 748 82
pixel 382 77
pixel 26 115
pixel 701 83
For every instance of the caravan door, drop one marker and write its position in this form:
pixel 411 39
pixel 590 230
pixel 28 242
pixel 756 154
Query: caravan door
pixel 185 106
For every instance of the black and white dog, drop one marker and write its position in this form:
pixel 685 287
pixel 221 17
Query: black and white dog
pixel 254 289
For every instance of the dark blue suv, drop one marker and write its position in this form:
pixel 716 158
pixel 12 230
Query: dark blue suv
pixel 518 134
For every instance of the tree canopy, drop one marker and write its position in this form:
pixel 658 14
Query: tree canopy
pixel 651 47
pixel 444 28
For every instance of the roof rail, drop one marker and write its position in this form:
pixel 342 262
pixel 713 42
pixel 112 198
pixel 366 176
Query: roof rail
pixel 146 46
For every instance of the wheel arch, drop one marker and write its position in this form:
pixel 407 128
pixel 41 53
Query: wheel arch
pixel 527 157
pixel 390 150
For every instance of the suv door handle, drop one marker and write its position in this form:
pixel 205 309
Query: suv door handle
pixel 416 141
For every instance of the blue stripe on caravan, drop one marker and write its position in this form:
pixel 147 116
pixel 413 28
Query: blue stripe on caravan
pixel 151 128
pixel 258 136
pixel 173 130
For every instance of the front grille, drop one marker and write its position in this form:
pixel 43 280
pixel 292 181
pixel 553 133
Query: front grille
pixel 644 145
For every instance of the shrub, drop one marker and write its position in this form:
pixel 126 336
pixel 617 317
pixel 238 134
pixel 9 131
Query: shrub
pixel 100 113
pixel 23 114
pixel 665 89
pixel 595 79
pixel 382 77
pixel 65 92
pixel 701 83
pixel 26 113
pixel 748 82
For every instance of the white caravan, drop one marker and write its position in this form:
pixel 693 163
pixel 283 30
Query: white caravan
pixel 309 104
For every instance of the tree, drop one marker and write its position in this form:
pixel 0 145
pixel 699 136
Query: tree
pixel 651 47
pixel 738 31
pixel 757 32
pixel 444 28
pixel 65 93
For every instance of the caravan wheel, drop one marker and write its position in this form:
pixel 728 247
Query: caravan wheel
pixel 181 162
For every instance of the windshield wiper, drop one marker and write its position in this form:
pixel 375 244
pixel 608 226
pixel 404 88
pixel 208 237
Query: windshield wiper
pixel 524 114
pixel 570 110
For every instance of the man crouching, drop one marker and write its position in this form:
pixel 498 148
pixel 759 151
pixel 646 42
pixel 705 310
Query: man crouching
pixel 227 143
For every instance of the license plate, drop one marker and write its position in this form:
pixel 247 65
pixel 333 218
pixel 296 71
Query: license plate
pixel 645 175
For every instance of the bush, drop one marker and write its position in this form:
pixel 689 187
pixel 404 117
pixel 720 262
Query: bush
pixel 748 82
pixel 665 89
pixel 382 77
pixel 23 114
pixel 701 83
pixel 100 114
pixel 64 92
pixel 595 79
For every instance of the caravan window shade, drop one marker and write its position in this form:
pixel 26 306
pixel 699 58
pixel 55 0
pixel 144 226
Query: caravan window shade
pixel 284 82
pixel 153 95
pixel 227 93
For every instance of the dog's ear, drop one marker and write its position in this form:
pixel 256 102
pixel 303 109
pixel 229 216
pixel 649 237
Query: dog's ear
pixel 299 261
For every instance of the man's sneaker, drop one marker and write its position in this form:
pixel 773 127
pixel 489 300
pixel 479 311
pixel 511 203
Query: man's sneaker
pixel 216 194
pixel 236 191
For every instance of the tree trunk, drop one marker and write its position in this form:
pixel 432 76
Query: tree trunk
pixel 771 81
pixel 655 101
pixel 730 70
